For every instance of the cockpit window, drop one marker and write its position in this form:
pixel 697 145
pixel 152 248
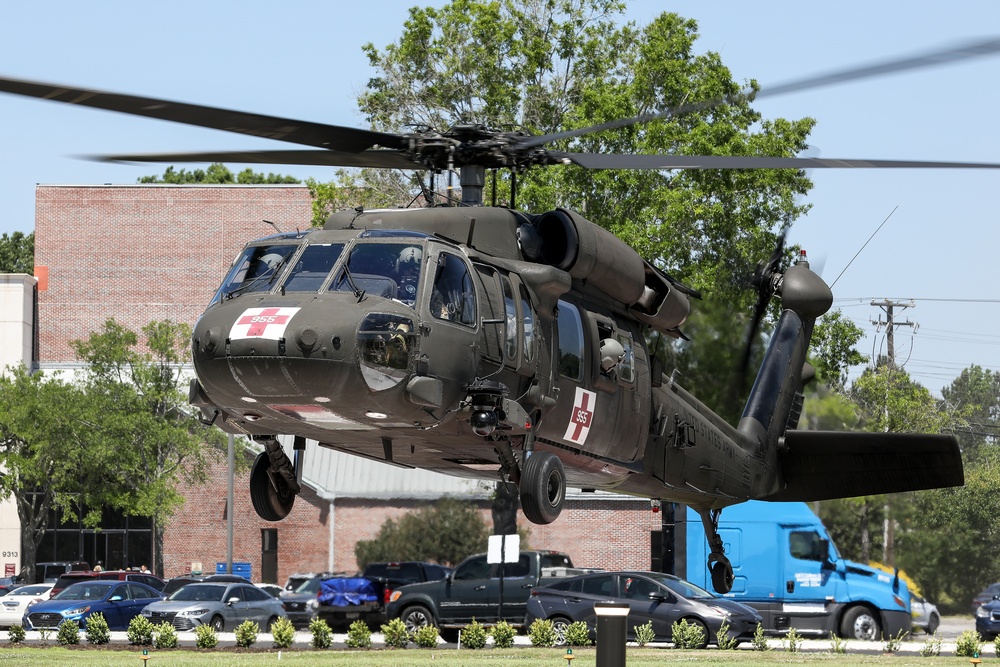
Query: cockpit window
pixel 255 270
pixel 391 271
pixel 312 267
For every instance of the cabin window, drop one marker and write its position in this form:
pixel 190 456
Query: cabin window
pixel 510 314
pixel 312 267
pixel 626 368
pixel 528 322
pixel 806 545
pixel 453 297
pixel 570 341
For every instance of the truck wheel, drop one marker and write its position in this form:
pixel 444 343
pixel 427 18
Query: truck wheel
pixel 543 487
pixel 416 617
pixel 860 623
pixel 270 505
pixel 559 625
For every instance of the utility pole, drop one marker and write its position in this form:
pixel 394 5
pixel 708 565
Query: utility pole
pixel 888 526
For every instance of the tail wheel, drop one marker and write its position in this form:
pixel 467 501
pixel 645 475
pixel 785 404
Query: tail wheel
pixel 270 503
pixel 543 487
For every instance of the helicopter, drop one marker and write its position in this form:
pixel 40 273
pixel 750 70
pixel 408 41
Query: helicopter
pixel 489 342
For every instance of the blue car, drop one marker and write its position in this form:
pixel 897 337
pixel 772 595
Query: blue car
pixel 988 619
pixel 119 601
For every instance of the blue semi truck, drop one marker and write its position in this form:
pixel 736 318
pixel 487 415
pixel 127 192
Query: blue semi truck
pixel 788 569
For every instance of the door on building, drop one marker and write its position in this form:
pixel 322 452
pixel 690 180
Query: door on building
pixel 269 555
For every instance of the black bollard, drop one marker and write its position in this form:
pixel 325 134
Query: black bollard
pixel 612 623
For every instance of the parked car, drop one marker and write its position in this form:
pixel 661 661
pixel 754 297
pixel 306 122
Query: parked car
pixel 988 620
pixel 119 601
pixel 297 579
pixel 116 575
pixel 651 596
pixel 49 571
pixel 925 614
pixel 985 595
pixel 219 604
pixel 274 590
pixel 302 603
pixel 14 604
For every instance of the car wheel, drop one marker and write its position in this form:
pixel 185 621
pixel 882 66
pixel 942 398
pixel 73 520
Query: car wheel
pixel 217 623
pixel 860 623
pixel 416 617
pixel 695 623
pixel 270 623
pixel 933 624
pixel 559 625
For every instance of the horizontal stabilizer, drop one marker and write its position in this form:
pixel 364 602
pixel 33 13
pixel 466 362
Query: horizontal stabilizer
pixel 819 465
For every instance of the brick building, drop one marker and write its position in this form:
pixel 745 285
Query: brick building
pixel 140 253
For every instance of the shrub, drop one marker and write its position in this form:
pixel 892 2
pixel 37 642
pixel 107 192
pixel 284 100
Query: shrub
pixel 968 644
pixel 794 641
pixel 321 635
pixel 759 641
pixel 893 644
pixel 503 635
pixel 722 638
pixel 542 633
pixel 837 643
pixel 16 634
pixel 98 631
pixel 644 633
pixel 205 637
pixel 577 634
pixel 474 635
pixel 69 633
pixel 931 647
pixel 283 633
pixel 426 636
pixel 246 634
pixel 140 631
pixel 687 635
pixel 395 634
pixel 164 635
pixel 359 635
pixel 996 645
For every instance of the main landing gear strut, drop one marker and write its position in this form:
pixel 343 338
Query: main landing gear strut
pixel 718 565
pixel 274 480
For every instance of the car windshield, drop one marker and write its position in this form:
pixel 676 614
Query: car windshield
pixel 311 586
pixel 31 590
pixel 199 593
pixel 88 591
pixel 683 588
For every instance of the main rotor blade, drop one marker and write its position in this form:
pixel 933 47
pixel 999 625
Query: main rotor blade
pixel 646 161
pixel 381 159
pixel 334 137
pixel 963 51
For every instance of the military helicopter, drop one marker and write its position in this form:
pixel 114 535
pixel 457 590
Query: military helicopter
pixel 480 341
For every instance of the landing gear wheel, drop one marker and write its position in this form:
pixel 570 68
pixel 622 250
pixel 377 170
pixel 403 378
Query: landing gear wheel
pixel 722 575
pixel 543 487
pixel 269 503
pixel 860 623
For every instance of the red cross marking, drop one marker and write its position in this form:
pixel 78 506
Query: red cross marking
pixel 582 416
pixel 258 323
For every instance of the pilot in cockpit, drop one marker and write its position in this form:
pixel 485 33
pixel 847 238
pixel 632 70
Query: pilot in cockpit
pixel 408 273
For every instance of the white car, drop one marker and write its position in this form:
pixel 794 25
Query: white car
pixel 925 614
pixel 14 604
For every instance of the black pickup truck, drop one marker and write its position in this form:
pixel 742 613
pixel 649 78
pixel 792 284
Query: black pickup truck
pixel 344 599
pixel 473 591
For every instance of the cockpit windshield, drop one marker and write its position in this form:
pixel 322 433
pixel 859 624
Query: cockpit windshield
pixel 255 270
pixel 388 270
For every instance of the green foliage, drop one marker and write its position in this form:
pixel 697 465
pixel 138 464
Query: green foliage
pixel 283 633
pixel 445 532
pixel 17 253
pixel 246 634
pixel 838 644
pixel 97 630
pixel 931 648
pixel 996 645
pixel 541 633
pixel 893 643
pixel 644 633
pixel 15 635
pixel 687 635
pixel 359 635
pixel 205 637
pixel 164 635
pixel 503 635
pixel 834 349
pixel 792 641
pixel 216 174
pixel 723 640
pixel 474 635
pixel 351 188
pixel 69 633
pixel 975 397
pixel 395 634
pixel 140 631
pixel 968 644
pixel 321 635
pixel 577 634
pixel 426 636
pixel 759 641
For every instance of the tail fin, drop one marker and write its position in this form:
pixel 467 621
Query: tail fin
pixel 819 465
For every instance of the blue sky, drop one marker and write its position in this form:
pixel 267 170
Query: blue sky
pixel 302 59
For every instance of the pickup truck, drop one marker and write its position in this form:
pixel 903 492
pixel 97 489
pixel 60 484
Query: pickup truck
pixel 472 591
pixel 343 599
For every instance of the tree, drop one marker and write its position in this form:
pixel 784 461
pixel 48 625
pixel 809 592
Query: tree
pixel 144 417
pixel 445 533
pixel 975 395
pixel 17 253
pixel 217 174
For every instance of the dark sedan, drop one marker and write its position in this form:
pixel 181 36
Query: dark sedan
pixel 653 597
pixel 988 620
